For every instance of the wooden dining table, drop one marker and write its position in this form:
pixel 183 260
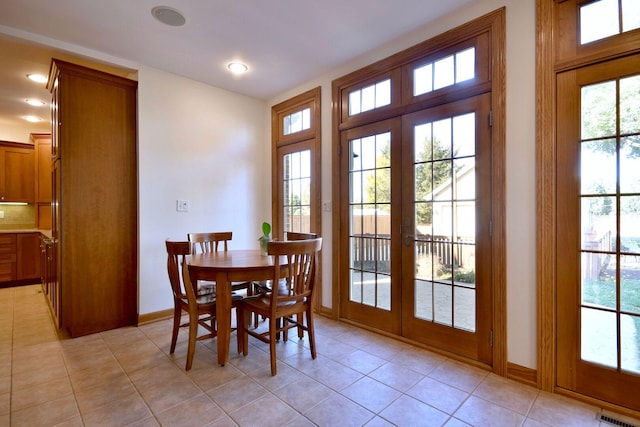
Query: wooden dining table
pixel 225 267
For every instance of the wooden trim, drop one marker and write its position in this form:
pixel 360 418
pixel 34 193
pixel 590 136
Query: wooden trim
pixel 499 199
pixel 155 316
pixel 25 145
pixel 522 374
pixel 545 196
pixel 336 107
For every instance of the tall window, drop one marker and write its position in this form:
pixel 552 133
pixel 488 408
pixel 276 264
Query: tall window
pixel 296 164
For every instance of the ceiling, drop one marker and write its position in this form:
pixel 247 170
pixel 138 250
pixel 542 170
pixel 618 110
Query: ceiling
pixel 283 42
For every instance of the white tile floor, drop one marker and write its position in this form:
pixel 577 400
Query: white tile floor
pixel 126 377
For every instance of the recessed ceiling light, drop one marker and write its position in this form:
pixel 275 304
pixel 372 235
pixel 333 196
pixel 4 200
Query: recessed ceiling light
pixel 35 102
pixel 32 119
pixel 38 78
pixel 168 15
pixel 237 67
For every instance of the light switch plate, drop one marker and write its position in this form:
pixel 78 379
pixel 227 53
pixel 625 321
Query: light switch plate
pixel 182 205
pixel 1 214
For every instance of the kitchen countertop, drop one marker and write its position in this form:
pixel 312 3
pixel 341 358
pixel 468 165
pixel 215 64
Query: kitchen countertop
pixel 26 230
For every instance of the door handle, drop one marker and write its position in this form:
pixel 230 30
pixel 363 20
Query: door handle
pixel 407 236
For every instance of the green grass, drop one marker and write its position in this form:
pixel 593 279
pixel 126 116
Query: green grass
pixel 603 292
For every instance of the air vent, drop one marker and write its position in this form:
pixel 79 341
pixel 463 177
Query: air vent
pixel 168 15
pixel 614 422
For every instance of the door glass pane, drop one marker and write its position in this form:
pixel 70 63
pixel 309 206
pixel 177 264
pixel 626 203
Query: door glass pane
pixel 629 158
pixel 599 110
pixel 599 281
pixel 444 235
pixel 599 231
pixel 423 79
pixel 464 308
pixel 465 65
pixel 370 220
pixel 598 19
pixel 599 337
pixel 630 15
pixel 464 128
pixel 630 354
pixel 630 280
pixel 444 72
pixel 424 300
pixel 630 103
pixel 443 303
pixel 297 191
pixel 598 167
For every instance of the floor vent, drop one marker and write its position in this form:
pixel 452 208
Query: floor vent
pixel 614 421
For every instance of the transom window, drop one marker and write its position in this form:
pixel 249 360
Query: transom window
pixel 297 122
pixel 604 18
pixel 371 97
pixel 444 72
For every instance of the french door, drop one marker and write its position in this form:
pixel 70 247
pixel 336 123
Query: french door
pixel 417 204
pixel 598 263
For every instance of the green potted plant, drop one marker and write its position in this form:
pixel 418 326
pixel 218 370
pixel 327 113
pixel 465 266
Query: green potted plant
pixel 266 236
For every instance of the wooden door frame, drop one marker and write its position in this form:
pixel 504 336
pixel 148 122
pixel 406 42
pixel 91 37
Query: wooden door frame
pixel 551 58
pixel 495 23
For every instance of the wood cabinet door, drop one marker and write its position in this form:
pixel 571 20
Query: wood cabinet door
pixel 28 256
pixel 42 145
pixel 7 257
pixel 17 179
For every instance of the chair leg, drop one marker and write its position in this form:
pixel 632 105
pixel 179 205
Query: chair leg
pixel 311 333
pixel 299 318
pixel 239 330
pixel 246 321
pixel 272 344
pixel 177 317
pixel 193 334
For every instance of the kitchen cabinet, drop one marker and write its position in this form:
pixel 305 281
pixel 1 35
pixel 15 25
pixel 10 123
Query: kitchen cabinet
pixel 19 258
pixel 17 172
pixel 94 198
pixel 28 256
pixel 42 147
pixel 7 257
pixel 48 275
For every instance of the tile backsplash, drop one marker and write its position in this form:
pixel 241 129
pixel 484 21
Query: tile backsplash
pixel 17 217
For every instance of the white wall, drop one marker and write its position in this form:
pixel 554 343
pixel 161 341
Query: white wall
pixel 13 133
pixel 520 167
pixel 201 144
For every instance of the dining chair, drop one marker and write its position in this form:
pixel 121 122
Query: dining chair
pixel 211 242
pixel 201 309
pixel 265 286
pixel 295 235
pixel 295 265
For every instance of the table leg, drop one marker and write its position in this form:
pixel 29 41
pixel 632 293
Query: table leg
pixel 223 316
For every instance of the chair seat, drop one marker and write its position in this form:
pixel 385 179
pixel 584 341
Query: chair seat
pixel 262 305
pixel 202 300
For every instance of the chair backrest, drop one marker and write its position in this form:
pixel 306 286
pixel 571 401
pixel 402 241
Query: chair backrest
pixel 297 275
pixel 294 235
pixel 209 242
pixel 176 267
